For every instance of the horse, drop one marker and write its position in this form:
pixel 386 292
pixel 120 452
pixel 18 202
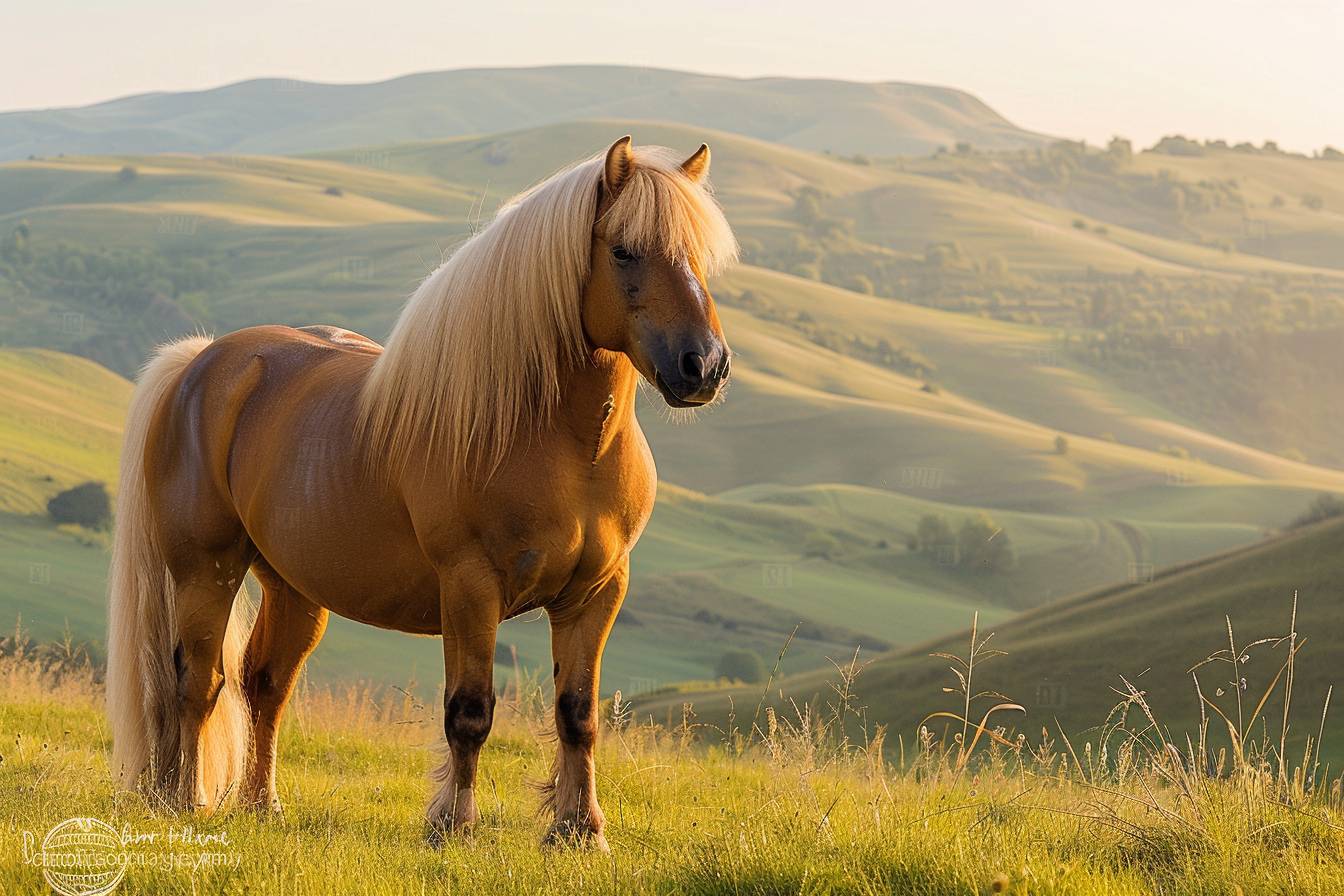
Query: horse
pixel 487 462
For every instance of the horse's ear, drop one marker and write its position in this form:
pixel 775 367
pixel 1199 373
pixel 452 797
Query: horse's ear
pixel 620 162
pixel 697 166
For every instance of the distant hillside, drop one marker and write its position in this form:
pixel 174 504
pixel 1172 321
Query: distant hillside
pixel 736 569
pixel 286 116
pixel 60 425
pixel 940 392
pixel 1064 660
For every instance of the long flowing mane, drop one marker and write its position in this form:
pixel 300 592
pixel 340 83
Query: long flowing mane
pixel 476 356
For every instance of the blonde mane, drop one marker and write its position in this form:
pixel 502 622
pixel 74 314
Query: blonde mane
pixel 476 356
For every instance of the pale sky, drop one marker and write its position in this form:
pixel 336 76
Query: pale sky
pixel 1075 68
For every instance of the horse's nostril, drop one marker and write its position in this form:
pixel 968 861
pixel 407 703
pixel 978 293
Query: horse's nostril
pixel 693 366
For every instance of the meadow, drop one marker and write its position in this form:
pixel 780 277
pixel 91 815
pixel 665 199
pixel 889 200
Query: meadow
pixel 1112 359
pixel 787 803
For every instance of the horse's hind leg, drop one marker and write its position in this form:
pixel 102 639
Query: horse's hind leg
pixel 203 739
pixel 288 629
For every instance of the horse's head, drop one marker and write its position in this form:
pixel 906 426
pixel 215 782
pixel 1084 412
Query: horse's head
pixel 657 236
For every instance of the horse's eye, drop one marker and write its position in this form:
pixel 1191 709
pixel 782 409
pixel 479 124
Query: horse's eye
pixel 620 253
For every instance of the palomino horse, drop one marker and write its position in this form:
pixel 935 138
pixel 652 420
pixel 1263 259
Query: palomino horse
pixel 487 462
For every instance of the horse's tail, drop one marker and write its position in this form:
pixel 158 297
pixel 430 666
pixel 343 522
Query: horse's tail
pixel 142 630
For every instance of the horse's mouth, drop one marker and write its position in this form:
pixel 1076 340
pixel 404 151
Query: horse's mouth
pixel 675 400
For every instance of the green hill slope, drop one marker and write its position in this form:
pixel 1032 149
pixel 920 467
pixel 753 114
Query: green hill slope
pixel 1064 660
pixel 60 424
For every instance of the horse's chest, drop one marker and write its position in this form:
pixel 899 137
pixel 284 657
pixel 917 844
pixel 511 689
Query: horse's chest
pixel 572 532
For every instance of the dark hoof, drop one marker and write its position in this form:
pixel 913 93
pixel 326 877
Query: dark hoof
pixel 267 808
pixel 570 835
pixel 439 833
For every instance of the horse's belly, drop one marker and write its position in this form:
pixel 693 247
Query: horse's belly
pixel 340 540
pixel 372 580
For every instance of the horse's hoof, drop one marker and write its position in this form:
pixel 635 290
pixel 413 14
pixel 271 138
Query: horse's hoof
pixel 437 837
pixel 267 808
pixel 575 836
pixel 440 832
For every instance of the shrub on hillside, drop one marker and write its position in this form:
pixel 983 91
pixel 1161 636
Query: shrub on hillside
pixel 933 533
pixel 740 664
pixel 85 505
pixel 821 545
pixel 983 546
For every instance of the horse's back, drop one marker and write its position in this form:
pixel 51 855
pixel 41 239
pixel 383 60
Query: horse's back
pixel 259 439
pixel 246 380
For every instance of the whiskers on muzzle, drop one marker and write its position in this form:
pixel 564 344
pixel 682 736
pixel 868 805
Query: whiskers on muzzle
pixel 679 416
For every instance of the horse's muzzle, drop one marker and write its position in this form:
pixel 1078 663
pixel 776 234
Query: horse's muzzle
pixel 697 380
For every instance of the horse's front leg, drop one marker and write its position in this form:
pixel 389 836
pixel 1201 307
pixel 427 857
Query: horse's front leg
pixel 469 609
pixel 577 639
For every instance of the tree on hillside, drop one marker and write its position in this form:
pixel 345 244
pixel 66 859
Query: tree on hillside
pixel 983 546
pixel 1326 506
pixel 85 505
pixel 932 534
pixel 859 283
pixel 740 664
pixel 807 206
pixel 1061 445
pixel 1176 145
pixel 127 174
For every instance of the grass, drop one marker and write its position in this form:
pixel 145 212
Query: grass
pixel 789 804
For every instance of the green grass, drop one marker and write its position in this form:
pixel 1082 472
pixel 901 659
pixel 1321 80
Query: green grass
pixel 793 812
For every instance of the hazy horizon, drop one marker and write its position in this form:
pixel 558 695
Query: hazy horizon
pixel 1142 71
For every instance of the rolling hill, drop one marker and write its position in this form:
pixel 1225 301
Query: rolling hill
pixel 288 116
pixel 713 571
pixel 873 412
pixel 1065 660
pixel 340 236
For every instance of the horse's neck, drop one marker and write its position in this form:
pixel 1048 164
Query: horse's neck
pixel 597 400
